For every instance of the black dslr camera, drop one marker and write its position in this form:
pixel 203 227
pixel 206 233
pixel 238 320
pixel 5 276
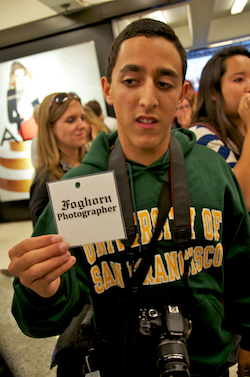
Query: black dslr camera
pixel 174 330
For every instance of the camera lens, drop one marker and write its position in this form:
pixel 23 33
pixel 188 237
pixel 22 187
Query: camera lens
pixel 173 359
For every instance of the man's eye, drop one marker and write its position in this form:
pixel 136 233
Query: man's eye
pixel 129 81
pixel 164 85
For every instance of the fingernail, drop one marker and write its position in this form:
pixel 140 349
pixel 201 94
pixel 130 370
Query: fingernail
pixel 66 255
pixel 63 247
pixel 55 239
pixel 72 260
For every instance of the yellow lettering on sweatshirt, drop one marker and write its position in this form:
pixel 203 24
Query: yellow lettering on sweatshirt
pixel 218 255
pixel 97 279
pixel 116 267
pixel 207 260
pixel 172 264
pixel 100 249
pixel 90 253
pixel 207 224
pixel 145 226
pixel 160 273
pixel 217 220
pixel 192 219
pixel 110 247
pixel 197 254
pixel 107 276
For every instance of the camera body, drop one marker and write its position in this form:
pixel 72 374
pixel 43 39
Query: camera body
pixel 174 330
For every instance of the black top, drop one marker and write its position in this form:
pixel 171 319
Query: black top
pixel 38 191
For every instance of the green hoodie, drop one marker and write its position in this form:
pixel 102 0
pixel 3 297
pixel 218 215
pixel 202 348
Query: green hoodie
pixel 220 246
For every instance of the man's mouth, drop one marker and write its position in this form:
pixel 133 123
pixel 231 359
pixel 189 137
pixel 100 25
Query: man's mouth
pixel 146 121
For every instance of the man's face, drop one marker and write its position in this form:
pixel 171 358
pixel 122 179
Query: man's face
pixel 145 89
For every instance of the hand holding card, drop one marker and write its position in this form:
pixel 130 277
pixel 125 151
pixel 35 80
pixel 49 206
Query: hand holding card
pixel 87 209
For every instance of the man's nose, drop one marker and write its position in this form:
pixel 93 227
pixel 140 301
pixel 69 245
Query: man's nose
pixel 148 95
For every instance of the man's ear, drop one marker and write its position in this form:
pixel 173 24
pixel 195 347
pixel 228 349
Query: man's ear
pixel 183 92
pixel 106 88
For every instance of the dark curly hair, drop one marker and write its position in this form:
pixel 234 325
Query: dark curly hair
pixel 148 28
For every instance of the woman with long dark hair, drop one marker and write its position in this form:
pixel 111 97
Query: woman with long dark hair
pixel 222 117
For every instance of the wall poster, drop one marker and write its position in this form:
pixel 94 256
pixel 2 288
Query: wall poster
pixel 24 84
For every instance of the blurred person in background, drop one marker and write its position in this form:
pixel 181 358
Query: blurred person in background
pixel 93 126
pixel 110 122
pixel 191 95
pixel 222 117
pixel 183 115
pixel 60 145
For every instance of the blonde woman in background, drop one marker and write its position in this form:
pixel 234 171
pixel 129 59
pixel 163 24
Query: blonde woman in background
pixel 60 146
pixel 93 126
pixel 110 122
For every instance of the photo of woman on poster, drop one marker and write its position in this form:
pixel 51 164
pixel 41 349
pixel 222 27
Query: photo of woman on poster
pixel 21 98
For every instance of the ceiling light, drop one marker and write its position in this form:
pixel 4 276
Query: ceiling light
pixel 238 6
pixel 220 44
pixel 157 15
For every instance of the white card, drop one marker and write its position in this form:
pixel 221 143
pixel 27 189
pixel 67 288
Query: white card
pixel 93 374
pixel 87 209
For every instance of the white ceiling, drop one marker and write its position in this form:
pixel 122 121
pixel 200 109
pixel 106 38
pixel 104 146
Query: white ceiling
pixel 197 23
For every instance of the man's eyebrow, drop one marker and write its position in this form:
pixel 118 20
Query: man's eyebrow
pixel 132 67
pixel 167 72
pixel 160 70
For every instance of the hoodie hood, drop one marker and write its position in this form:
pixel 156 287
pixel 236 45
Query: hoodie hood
pixel 186 138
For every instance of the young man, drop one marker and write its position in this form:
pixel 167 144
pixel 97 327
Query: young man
pixel 145 82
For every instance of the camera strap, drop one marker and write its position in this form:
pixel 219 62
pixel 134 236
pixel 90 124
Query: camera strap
pixel 174 192
pixel 117 163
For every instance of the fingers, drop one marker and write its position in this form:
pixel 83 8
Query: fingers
pixel 42 254
pixel 35 250
pixel 39 262
pixel 48 284
pixel 243 362
pixel 33 243
pixel 47 267
pixel 242 372
pixel 244 110
pixel 245 101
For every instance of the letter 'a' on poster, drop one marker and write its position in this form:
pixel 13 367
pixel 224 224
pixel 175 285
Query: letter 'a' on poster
pixel 87 209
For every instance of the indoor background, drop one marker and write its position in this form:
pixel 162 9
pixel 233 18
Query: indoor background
pixel 37 31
